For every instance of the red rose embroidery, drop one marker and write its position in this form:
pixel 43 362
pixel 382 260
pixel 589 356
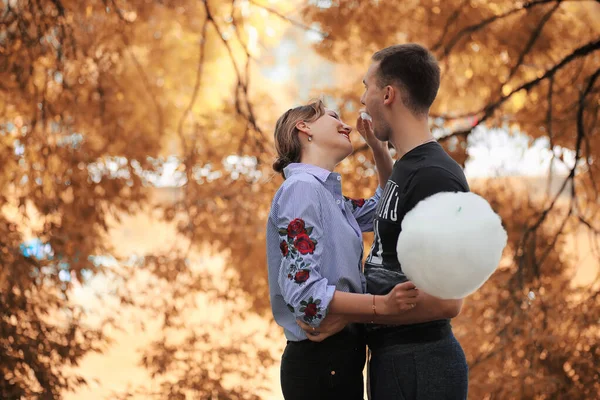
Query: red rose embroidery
pixel 302 276
pixel 303 244
pixel 311 310
pixel 295 228
pixel 284 248
pixel 358 202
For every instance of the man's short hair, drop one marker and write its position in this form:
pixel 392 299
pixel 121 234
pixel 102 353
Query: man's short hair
pixel 414 70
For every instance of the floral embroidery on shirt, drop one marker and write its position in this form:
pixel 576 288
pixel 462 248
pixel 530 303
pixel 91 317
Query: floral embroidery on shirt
pixel 296 227
pixel 356 203
pixel 299 272
pixel 304 244
pixel 284 248
pixel 297 242
pixel 311 309
pixel 301 276
pixel 298 236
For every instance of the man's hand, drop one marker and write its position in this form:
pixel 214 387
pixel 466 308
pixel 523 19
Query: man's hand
pixel 331 325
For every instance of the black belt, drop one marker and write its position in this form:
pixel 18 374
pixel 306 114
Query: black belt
pixel 379 339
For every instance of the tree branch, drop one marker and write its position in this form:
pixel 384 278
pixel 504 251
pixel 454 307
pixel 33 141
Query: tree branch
pixel 324 35
pixel 449 23
pixel 242 85
pixel 199 71
pixel 532 39
pixel 489 109
pixel 482 24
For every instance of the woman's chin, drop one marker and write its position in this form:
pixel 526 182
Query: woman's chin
pixel 348 149
pixel 344 153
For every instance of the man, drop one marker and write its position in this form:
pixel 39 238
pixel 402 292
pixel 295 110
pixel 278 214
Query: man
pixel 420 359
pixel 416 356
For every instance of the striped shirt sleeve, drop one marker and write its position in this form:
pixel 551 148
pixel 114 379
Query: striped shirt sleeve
pixel 364 210
pixel 306 292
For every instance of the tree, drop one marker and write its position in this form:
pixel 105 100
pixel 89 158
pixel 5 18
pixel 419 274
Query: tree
pixel 97 97
pixel 92 96
pixel 528 66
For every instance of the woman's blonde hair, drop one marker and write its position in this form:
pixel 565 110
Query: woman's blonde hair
pixel 287 142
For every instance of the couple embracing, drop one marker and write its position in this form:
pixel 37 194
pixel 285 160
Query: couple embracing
pixel 331 310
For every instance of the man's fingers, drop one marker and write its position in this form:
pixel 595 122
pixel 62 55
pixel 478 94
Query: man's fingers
pixel 408 285
pixel 403 298
pixel 408 294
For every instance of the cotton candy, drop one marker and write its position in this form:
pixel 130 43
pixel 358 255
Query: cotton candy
pixel 450 244
pixel 366 116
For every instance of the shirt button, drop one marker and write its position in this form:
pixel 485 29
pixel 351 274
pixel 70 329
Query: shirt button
pixel 332 372
pixel 339 178
pixel 338 201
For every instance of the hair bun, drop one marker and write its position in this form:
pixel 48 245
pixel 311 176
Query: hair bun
pixel 280 164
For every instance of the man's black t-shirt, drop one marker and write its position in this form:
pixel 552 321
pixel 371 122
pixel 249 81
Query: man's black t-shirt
pixel 420 173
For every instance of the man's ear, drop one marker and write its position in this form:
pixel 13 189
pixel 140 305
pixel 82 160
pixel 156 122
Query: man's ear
pixel 389 95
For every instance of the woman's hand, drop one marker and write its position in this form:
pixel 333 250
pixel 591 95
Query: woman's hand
pixel 401 298
pixel 365 128
pixel 331 325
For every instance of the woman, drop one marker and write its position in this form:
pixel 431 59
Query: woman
pixel 314 249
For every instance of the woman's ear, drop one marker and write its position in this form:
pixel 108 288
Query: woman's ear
pixel 302 126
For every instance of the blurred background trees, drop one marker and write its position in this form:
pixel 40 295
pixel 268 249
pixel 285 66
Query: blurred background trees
pixel 101 102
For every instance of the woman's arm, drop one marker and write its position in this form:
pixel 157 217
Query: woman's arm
pixel 381 154
pixel 364 209
pixel 367 307
pixel 307 293
pixel 428 308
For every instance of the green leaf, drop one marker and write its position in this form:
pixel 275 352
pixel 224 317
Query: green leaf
pixel 318 301
pixel 310 299
pixel 302 309
pixel 314 241
pixel 308 230
pixel 289 306
pixel 282 232
pixel 304 303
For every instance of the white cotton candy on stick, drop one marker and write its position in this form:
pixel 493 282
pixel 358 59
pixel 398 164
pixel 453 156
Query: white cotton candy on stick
pixel 450 244
pixel 366 116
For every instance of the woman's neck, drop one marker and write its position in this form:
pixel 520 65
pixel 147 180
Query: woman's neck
pixel 319 161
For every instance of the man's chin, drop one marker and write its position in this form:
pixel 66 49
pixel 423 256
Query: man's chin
pixel 380 136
